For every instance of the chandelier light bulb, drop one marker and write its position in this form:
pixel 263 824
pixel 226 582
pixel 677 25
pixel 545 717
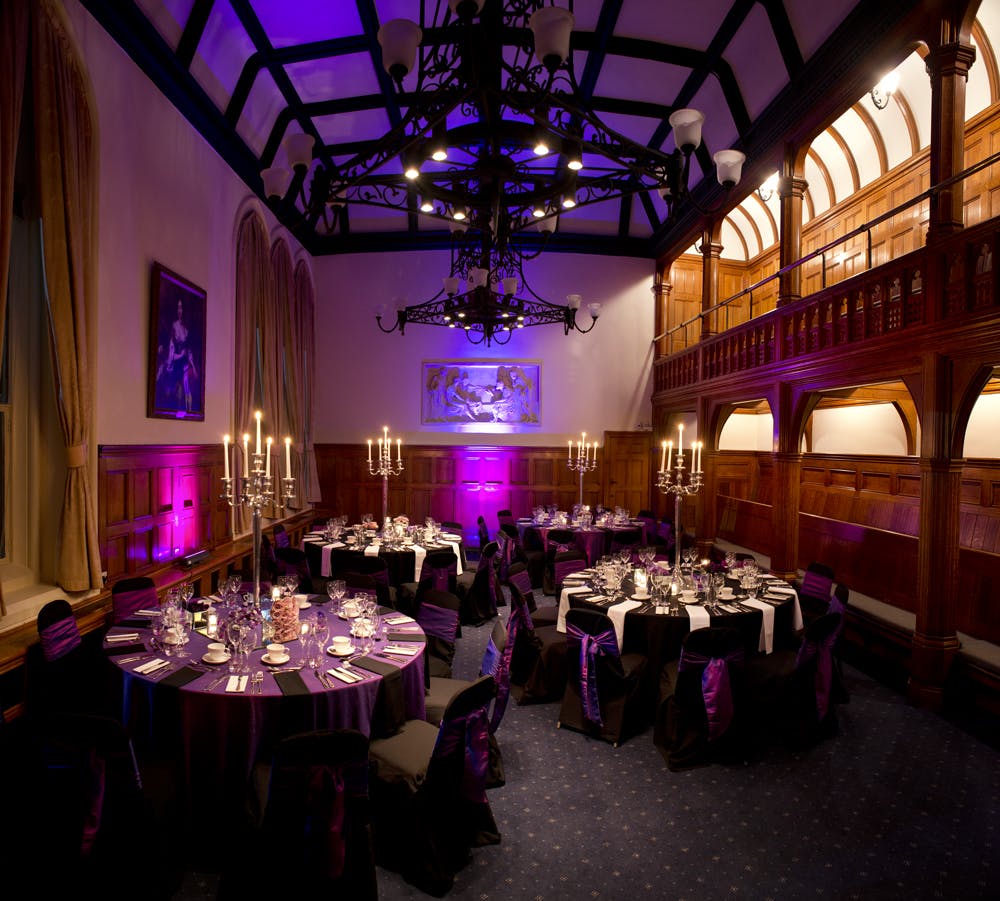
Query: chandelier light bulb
pixel 426 205
pixel 568 202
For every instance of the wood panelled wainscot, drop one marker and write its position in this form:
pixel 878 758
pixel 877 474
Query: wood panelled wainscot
pixel 158 503
pixel 861 515
pixel 461 483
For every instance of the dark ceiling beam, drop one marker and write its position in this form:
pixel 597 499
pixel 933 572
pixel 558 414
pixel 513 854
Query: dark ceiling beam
pixel 784 35
pixel 830 81
pixel 194 28
pixel 134 33
pixel 606 22
pixel 624 216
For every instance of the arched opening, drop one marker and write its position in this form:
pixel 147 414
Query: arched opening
pixel 877 420
pixel 748 427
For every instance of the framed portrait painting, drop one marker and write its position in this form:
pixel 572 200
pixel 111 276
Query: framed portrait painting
pixel 176 387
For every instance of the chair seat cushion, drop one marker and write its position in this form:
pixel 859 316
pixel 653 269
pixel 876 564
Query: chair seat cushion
pixel 545 616
pixel 438 668
pixel 440 691
pixel 403 757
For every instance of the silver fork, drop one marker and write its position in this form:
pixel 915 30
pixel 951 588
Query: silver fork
pixel 258 680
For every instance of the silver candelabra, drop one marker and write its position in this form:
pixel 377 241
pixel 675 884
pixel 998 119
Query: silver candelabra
pixel 680 481
pixel 383 465
pixel 585 459
pixel 255 490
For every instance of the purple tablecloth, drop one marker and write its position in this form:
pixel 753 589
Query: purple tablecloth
pixel 219 736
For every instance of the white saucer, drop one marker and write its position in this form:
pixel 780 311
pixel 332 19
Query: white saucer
pixel 640 597
pixel 304 604
pixel 275 661
pixel 212 658
pixel 343 615
pixel 345 653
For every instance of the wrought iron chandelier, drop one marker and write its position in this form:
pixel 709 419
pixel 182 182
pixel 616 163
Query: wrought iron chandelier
pixel 496 141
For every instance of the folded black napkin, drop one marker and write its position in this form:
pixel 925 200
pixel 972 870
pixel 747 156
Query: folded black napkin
pixel 291 684
pixel 184 675
pixel 117 650
pixel 406 636
pixel 390 709
pixel 134 622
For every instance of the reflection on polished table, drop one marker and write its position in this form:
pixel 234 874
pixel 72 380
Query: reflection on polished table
pixel 190 711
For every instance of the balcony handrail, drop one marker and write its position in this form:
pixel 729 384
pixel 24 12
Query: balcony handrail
pixel 861 229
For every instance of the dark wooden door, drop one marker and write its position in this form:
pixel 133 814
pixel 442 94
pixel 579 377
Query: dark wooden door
pixel 626 462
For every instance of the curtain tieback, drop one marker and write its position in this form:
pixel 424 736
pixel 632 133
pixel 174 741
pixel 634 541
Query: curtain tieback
pixel 76 456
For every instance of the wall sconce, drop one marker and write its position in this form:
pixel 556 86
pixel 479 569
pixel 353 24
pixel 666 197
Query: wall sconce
pixel 886 87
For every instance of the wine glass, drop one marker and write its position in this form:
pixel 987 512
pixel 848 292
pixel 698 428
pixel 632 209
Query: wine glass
pixel 321 632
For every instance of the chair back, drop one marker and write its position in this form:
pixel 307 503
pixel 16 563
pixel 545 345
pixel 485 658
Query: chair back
pixel 566 563
pixel 592 648
pixel 496 663
pixel 460 760
pixel 280 536
pixel 368 584
pixel 483 596
pixel 293 560
pixel 456 528
pixel 705 672
pixel 129 595
pixel 818 581
pixel 58 632
pixel 439 571
pixel 437 615
pixel 559 540
pixel 505 517
pixel 625 538
pixel 484 532
pixel 650 526
pixel 816 657
pixel 316 819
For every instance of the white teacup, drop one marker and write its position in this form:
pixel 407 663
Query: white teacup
pixel 350 608
pixel 725 592
pixel 216 652
pixel 276 650
pixel 688 595
pixel 341 644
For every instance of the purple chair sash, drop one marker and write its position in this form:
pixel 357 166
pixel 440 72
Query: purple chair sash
pixel 715 687
pixel 564 568
pixel 507 553
pixel 469 733
pixel 590 647
pixel 816 585
pixel 497 665
pixel 823 682
pixel 281 539
pixel 59 638
pixel 125 603
pixel 438 621
pixel 440 577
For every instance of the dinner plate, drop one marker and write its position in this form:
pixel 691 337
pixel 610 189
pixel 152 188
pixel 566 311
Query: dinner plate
pixel 275 661
pixel 332 651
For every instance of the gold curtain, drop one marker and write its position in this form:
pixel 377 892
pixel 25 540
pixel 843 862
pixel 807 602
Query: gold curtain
pixel 306 357
pixel 253 281
pixel 272 343
pixel 294 400
pixel 67 165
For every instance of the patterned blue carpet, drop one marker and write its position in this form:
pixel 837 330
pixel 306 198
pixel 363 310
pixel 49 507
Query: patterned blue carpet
pixel 901 804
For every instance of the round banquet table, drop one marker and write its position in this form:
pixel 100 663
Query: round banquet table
pixel 594 541
pixel 659 636
pixel 341 557
pixel 217 736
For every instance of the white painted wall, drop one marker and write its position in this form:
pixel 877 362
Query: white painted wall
pixel 982 437
pixel 748 431
pixel 595 382
pixel 164 195
pixel 871 429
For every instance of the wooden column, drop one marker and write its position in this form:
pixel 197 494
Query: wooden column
pixel 711 251
pixel 791 190
pixel 934 639
pixel 662 289
pixel 948 67
pixel 787 486
pixel 706 518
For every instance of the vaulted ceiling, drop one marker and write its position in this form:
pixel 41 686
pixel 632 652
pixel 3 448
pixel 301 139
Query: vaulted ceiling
pixel 248 72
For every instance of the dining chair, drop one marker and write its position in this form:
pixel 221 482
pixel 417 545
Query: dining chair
pixel 558 541
pixel 65 672
pixel 483 532
pixel 293 560
pixel 795 693
pixel 316 827
pixel 602 697
pixel 428 791
pixel 129 595
pixel 439 571
pixel 701 715
pixel 505 517
pixel 280 536
pixel 89 821
pixel 565 564
pixel 537 655
pixel 815 588
pixel 480 592
pixel 625 538
pixel 547 615
pixel 495 663
pixel 378 569
pixel 438 615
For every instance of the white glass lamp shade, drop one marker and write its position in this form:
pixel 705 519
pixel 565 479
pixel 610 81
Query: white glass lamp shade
pixel 594 309
pixel 276 180
pixel 299 150
pixel 686 124
pixel 450 285
pixel 573 301
pixel 509 286
pixel 547 225
pixel 551 26
pixel 729 167
pixel 478 277
pixel 381 310
pixel 399 39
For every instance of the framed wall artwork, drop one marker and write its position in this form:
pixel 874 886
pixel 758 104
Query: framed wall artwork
pixel 495 396
pixel 176 388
